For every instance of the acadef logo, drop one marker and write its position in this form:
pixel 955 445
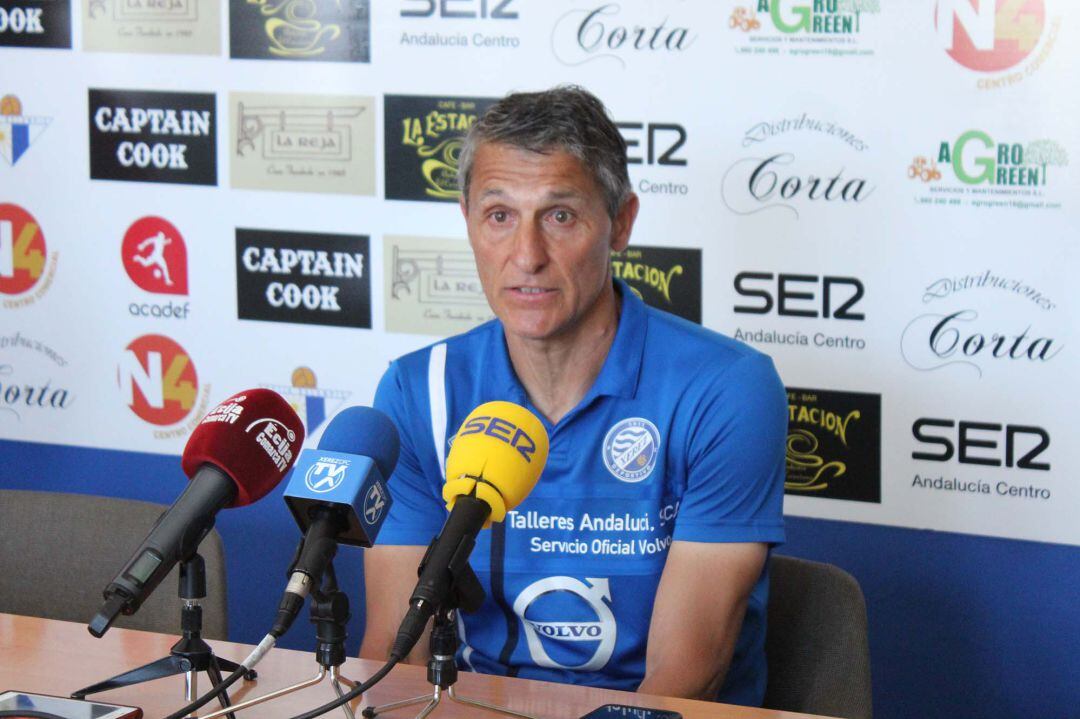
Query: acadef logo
pixel 631 448
pixel 155 256
pixel 18 131
pixel 326 474
pixel 567 635
pixel 989 35
pixel 374 503
pixel 158 380
pixel 24 262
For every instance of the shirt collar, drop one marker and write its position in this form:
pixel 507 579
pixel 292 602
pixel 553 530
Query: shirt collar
pixel 621 369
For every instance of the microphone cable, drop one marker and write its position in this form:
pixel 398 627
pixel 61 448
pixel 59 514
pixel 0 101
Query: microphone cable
pixel 353 693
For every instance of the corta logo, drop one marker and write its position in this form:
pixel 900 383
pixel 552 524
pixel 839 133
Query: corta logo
pixel 660 141
pixel 959 334
pixel 824 17
pixel 463 9
pixel 155 256
pixel 976 158
pixel 770 184
pixel 989 35
pixel 503 430
pixel 983 443
pixel 22 250
pixel 158 380
pixel 797 295
pixel 581 36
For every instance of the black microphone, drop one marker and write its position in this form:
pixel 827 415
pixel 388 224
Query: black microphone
pixel 235 456
pixel 495 461
pixel 338 495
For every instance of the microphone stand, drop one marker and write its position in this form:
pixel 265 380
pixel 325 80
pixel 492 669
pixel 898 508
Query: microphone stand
pixel 330 615
pixel 190 655
pixel 468 594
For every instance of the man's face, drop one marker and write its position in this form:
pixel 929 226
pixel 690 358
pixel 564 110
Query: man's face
pixel 541 234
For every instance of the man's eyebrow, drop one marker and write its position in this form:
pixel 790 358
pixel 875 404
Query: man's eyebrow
pixel 563 194
pixel 491 192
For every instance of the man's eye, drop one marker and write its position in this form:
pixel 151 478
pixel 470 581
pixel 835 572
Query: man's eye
pixel 561 216
pixel 500 216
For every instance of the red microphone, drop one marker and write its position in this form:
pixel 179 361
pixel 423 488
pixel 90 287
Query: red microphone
pixel 237 454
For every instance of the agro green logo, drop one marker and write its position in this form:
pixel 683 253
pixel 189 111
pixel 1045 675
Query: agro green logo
pixel 976 158
pixel 824 17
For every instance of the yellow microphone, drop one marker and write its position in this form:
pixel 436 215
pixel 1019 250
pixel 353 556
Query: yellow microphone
pixel 495 461
pixel 497 456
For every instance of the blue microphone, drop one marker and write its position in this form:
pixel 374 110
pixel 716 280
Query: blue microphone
pixel 338 495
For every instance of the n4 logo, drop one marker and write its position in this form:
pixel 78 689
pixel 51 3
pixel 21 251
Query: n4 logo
pixel 22 250
pixel 158 379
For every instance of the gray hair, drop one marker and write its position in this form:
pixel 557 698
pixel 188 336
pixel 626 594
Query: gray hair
pixel 567 118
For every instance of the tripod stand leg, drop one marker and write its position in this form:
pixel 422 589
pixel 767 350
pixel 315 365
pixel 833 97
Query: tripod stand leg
pixel 164 667
pixel 489 707
pixel 371 712
pixel 335 681
pixel 214 671
pixel 191 685
pixel 435 699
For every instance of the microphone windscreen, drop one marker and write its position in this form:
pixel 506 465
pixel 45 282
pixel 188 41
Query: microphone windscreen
pixel 364 431
pixel 253 436
pixel 498 454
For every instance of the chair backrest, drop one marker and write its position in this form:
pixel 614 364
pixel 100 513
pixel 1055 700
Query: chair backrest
pixel 59 551
pixel 816 641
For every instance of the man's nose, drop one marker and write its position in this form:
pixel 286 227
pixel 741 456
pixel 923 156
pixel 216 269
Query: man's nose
pixel 530 253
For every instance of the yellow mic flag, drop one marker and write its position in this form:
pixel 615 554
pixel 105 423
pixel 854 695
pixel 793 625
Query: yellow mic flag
pixel 498 454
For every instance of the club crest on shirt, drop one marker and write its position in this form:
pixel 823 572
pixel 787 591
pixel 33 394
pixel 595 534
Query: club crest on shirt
pixel 631 448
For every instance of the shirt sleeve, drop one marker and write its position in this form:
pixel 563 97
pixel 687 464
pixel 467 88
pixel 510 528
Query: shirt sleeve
pixel 736 457
pixel 417 511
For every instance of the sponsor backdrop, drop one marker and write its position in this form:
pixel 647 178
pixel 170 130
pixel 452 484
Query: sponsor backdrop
pixel 205 195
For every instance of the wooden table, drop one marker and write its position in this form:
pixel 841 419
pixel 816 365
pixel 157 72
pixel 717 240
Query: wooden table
pixel 52 657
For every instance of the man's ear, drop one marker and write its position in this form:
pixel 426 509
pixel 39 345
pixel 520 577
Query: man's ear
pixel 464 205
pixel 623 224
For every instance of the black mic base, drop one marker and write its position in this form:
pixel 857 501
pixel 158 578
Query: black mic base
pixel 189 656
pixel 442 674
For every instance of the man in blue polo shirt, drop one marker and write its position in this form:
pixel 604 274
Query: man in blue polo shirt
pixel 639 560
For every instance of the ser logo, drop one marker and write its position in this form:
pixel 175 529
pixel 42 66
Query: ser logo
pixel 460 9
pixel 835 303
pixel 504 431
pixel 662 140
pixel 158 380
pixel 982 443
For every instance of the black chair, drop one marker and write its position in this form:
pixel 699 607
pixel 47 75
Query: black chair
pixel 59 551
pixel 816 643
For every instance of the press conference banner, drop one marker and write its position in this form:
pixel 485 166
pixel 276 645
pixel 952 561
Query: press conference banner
pixel 207 195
